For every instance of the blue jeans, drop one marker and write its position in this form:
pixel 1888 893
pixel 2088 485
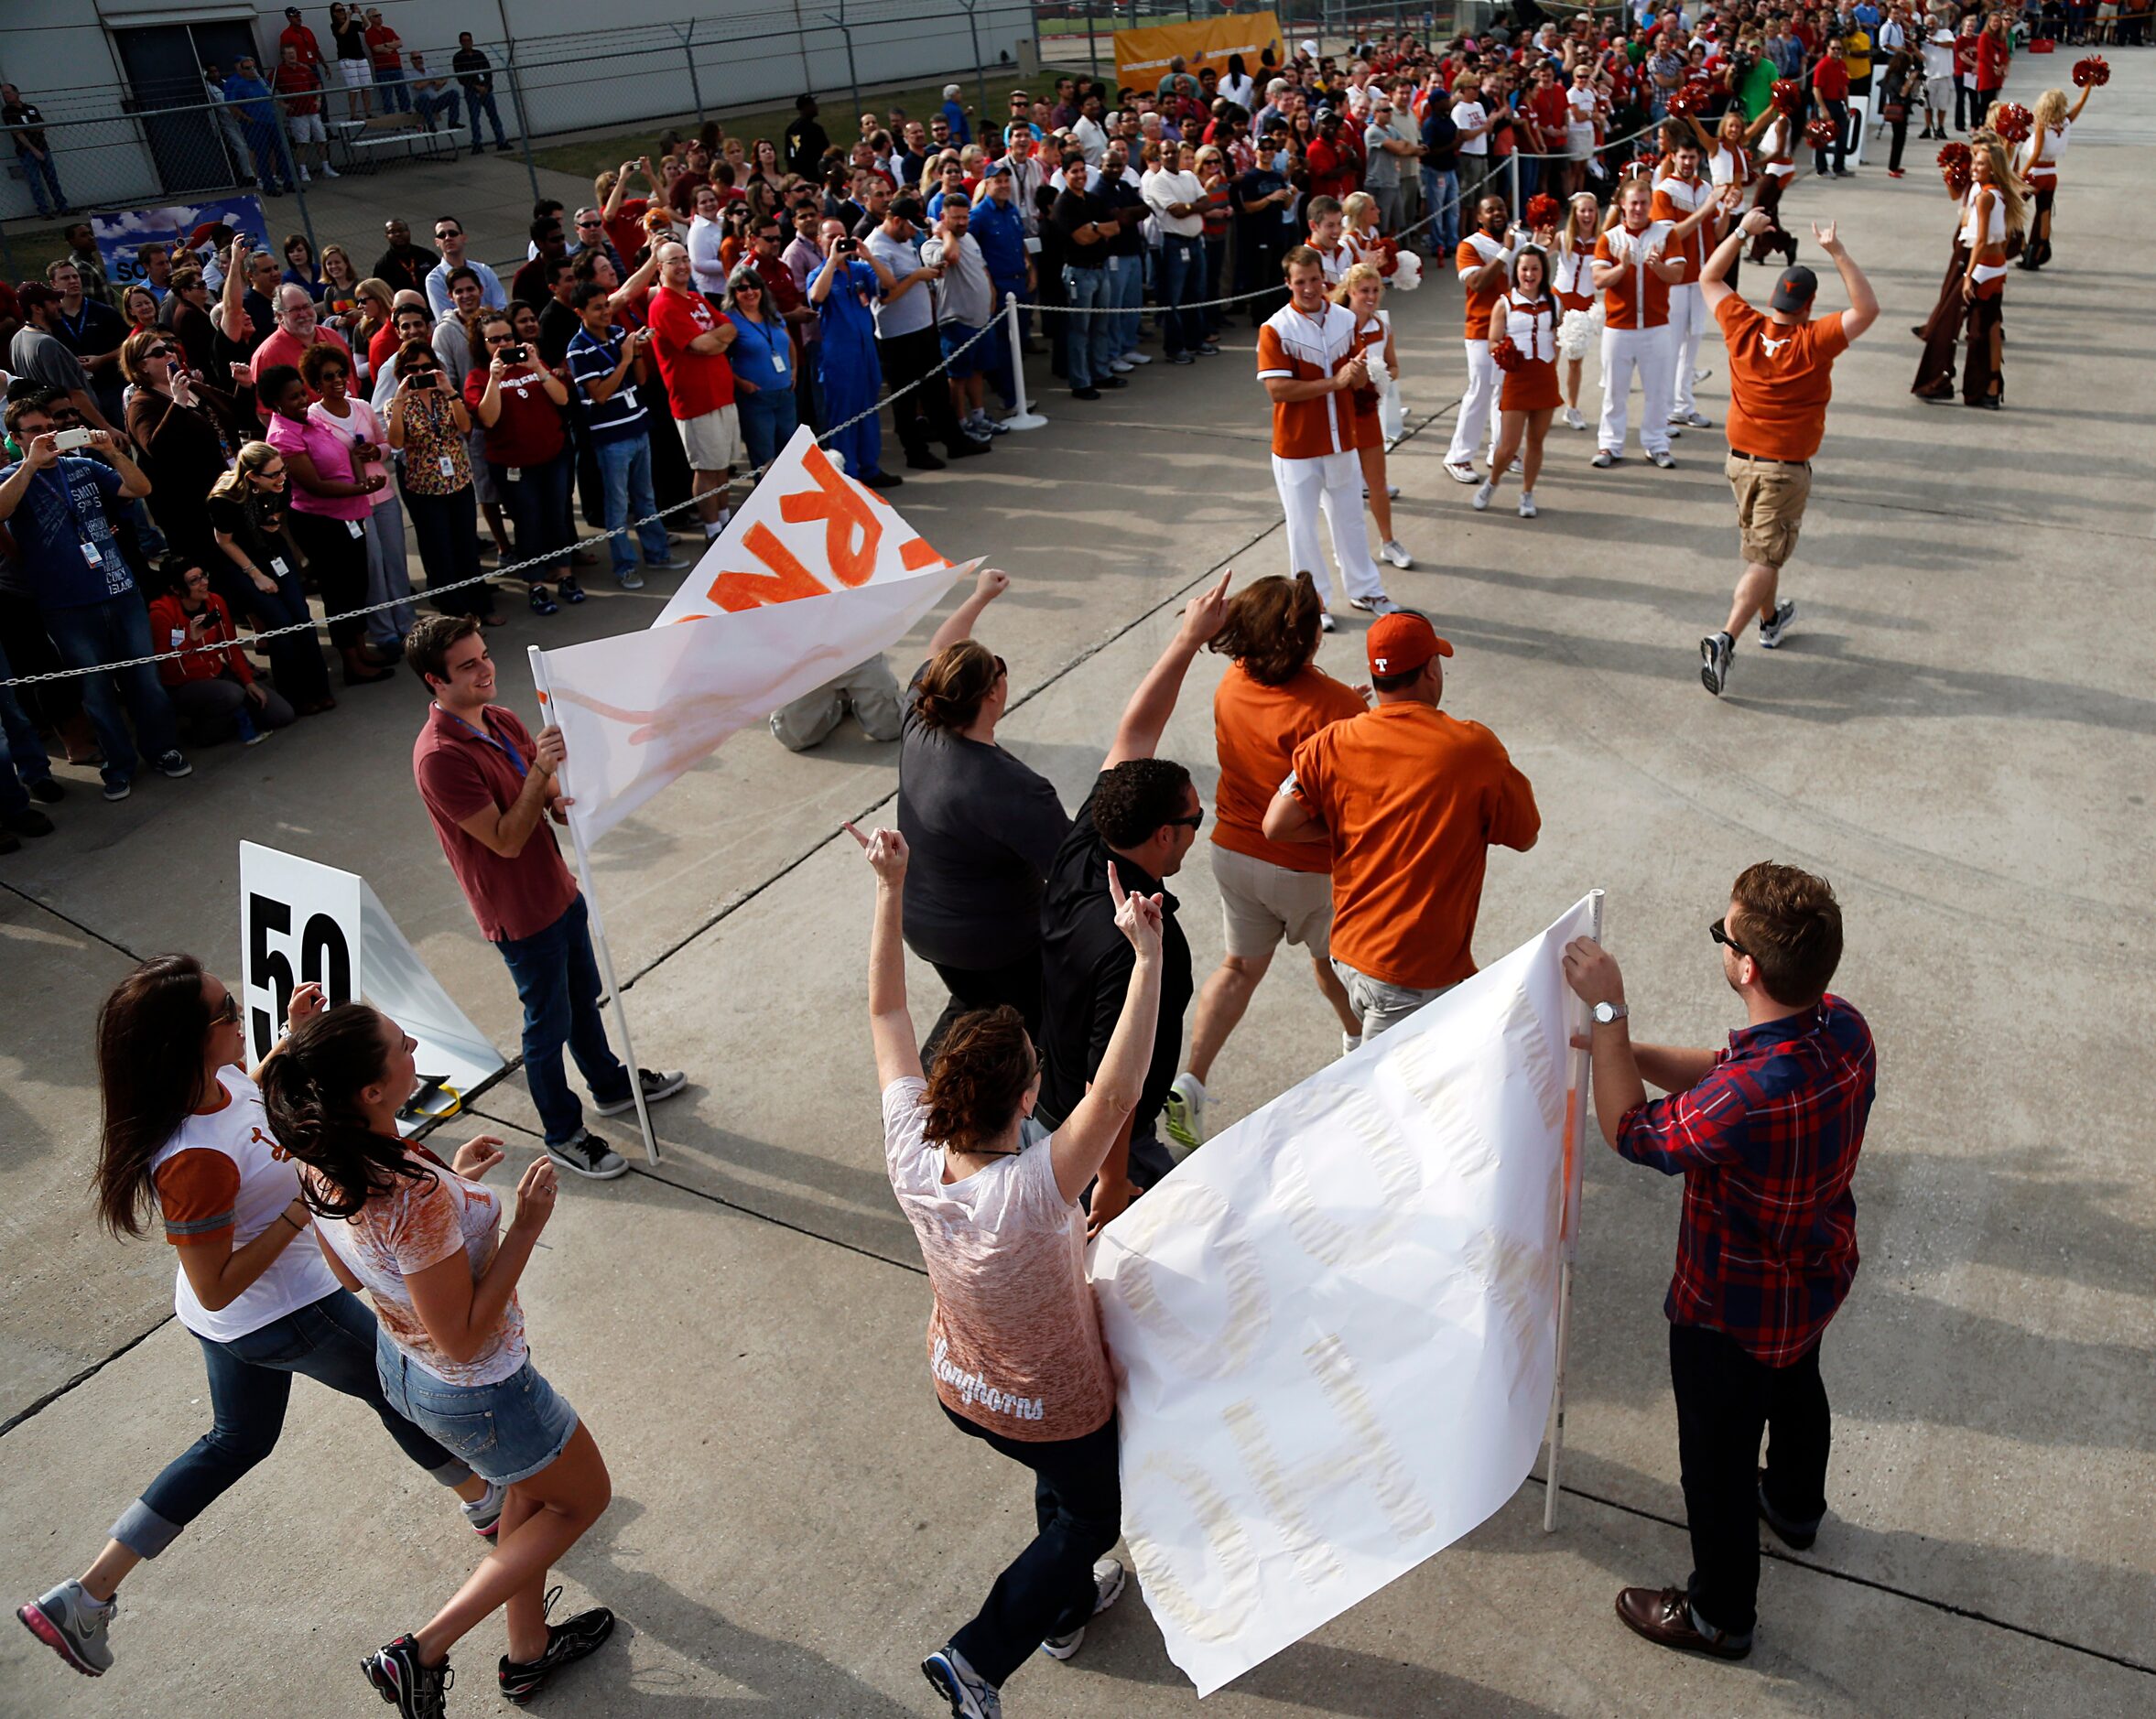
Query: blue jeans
pixel 331 1341
pixel 1126 287
pixel 1441 192
pixel 624 469
pixel 768 420
pixel 432 107
pixel 557 981
pixel 390 80
pixel 1182 282
pixel 273 161
pixel 41 177
pixel 1090 345
pixel 23 758
pixel 111 631
pixel 537 501
pixel 477 102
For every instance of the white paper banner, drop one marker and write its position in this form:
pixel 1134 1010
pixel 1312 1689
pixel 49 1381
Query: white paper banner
pixel 1334 1326
pixel 814 574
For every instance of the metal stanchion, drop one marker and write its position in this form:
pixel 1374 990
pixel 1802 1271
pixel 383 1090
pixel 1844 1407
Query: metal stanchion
pixel 1025 418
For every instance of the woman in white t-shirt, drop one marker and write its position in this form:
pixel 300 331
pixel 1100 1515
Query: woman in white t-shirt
pixel 421 1237
pixel 1014 1346
pixel 186 1140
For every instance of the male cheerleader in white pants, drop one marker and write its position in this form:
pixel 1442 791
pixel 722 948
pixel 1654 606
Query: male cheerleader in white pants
pixel 1694 209
pixel 1485 261
pixel 1633 274
pixel 1309 364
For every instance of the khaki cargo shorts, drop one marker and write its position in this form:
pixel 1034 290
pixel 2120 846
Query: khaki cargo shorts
pixel 1771 497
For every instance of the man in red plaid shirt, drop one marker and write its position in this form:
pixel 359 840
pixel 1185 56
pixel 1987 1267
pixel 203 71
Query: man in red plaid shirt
pixel 1766 1135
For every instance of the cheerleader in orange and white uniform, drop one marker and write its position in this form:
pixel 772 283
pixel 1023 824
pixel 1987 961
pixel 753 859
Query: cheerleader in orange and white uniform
pixel 1774 150
pixel 1360 236
pixel 1523 335
pixel 1992 210
pixel 2038 163
pixel 1727 151
pixel 1572 263
pixel 1359 293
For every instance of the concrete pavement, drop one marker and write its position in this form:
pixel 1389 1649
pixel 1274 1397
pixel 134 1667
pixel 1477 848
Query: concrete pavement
pixel 1958 734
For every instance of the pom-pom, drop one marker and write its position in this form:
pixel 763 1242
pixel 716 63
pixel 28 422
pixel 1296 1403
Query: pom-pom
pixel 1690 99
pixel 1407 274
pixel 1819 133
pixel 1506 356
pixel 1544 210
pixel 2012 122
pixel 1955 168
pixel 1789 95
pixel 1577 333
pixel 2095 72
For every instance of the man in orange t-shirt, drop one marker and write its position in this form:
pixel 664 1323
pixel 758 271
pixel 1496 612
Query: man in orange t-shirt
pixel 1412 801
pixel 1781 377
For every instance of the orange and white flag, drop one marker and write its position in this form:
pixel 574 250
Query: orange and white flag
pixel 815 573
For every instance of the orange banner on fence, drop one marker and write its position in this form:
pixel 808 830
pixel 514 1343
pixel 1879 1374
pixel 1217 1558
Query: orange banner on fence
pixel 1141 57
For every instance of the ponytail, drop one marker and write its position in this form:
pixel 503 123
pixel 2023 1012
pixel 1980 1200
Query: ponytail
pixel 311 1087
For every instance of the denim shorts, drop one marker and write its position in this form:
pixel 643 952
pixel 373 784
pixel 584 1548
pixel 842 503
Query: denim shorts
pixel 505 1432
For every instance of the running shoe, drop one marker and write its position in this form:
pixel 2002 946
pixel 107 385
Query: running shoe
pixel 1694 420
pixel 1527 504
pixel 1393 550
pixel 958 1683
pixel 543 604
pixel 571 592
pixel 1484 495
pixel 416 1691
pixel 1108 1588
pixel 1136 357
pixel 73 1626
pixel 118 790
pixel 628 579
pixel 1121 366
pixel 173 765
pixel 566 1644
pixel 1572 419
pixel 1378 605
pixel 1185 1113
pixel 589 1157
pixel 655 1086
pixel 1460 470
pixel 484 1513
pixel 1326 624
pixel 1772 627
pixel 1604 458
pixel 1663 457
pixel 1715 651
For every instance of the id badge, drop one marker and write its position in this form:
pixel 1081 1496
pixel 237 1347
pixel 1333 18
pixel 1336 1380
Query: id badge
pixel 448 466
pixel 778 362
pixel 277 561
pixel 354 528
pixel 512 474
pixel 1033 246
pixel 91 557
pixel 178 638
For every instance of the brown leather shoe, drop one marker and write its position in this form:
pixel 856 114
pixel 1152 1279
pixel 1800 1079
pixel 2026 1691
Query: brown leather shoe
pixel 1664 1616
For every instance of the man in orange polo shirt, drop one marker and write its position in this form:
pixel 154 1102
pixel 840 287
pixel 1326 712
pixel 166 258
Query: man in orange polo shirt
pixel 1781 377
pixel 1412 801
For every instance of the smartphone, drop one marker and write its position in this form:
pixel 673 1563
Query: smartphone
pixel 515 354
pixel 68 440
pixel 427 379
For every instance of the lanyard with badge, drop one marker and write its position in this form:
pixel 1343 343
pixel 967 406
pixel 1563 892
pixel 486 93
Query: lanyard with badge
pixel 93 557
pixel 776 348
pixel 486 738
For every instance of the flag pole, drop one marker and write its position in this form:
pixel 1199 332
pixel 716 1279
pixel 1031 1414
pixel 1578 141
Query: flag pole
pixel 1575 1136
pixel 606 960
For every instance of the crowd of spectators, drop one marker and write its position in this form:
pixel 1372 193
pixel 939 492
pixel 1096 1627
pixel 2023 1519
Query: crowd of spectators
pixel 242 434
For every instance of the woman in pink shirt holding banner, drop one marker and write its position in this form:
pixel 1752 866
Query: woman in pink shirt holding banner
pixel 1014 1344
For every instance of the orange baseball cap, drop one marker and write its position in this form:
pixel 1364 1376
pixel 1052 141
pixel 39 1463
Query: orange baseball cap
pixel 1402 641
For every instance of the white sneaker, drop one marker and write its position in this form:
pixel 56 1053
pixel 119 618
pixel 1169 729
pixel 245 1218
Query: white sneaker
pixel 1121 366
pixel 1701 376
pixel 305 178
pixel 970 1694
pixel 1693 419
pixel 1515 468
pixel 1460 470
pixel 1135 357
pixel 1108 1588
pixel 1392 551
pixel 1484 494
pixel 330 172
pixel 1378 605
pixel 1572 419
pixel 1326 624
pixel 1527 504
pixel 1663 457
pixel 1350 1042
pixel 1185 1115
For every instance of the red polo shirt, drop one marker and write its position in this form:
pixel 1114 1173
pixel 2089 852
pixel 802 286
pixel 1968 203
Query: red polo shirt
pixel 461 771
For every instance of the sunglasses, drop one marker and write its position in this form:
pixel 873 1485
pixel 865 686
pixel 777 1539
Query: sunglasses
pixel 1195 821
pixel 1719 933
pixel 587 223
pixel 158 352
pixel 227 1013
pixel 271 471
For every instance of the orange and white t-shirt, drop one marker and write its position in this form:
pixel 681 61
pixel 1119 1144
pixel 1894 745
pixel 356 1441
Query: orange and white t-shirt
pixel 1675 199
pixel 1780 378
pixel 1477 251
pixel 223 1176
pixel 1014 1335
pixel 1638 297
pixel 1257 728
pixel 1413 799
pixel 420 1224
pixel 1308 349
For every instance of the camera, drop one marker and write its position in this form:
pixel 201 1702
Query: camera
pixel 515 354
pixel 66 441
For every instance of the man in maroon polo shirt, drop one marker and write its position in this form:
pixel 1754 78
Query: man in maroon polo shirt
pixel 490 788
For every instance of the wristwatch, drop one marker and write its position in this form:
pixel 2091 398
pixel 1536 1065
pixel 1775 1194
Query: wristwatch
pixel 1605 1012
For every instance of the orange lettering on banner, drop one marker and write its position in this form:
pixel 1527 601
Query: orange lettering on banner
pixel 851 534
pixel 786 579
pixel 919 552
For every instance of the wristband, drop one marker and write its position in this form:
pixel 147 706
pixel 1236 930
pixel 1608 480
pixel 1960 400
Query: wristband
pixel 298 1229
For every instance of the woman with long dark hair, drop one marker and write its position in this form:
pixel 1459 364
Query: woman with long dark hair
pixel 1014 1345
pixel 1273 699
pixel 981 825
pixel 1526 319
pixel 186 1140
pixel 248 511
pixel 421 1237
pixel 185 430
